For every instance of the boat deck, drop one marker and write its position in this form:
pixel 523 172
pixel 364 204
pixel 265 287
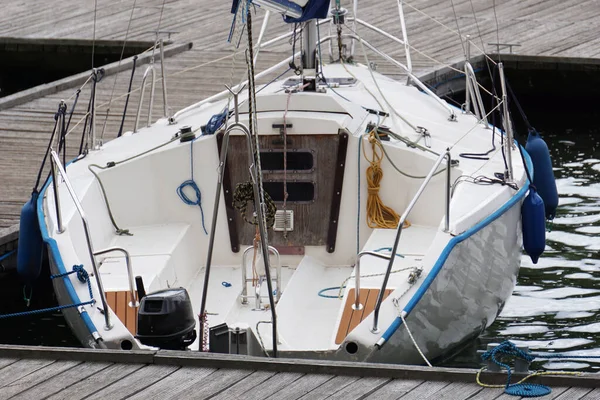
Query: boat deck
pixel 67 373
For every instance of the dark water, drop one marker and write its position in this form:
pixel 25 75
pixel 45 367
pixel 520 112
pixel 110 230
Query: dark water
pixel 47 329
pixel 556 305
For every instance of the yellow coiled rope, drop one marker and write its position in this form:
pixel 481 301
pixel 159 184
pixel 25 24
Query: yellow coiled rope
pixel 378 214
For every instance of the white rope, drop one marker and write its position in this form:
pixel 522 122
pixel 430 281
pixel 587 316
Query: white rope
pixel 401 315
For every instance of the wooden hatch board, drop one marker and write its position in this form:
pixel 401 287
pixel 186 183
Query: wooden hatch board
pixel 350 317
pixel 119 303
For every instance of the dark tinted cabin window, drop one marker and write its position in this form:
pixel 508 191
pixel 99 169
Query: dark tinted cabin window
pixel 297 191
pixel 296 160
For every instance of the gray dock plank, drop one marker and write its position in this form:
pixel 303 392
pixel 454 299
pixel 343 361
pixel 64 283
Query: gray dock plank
pixel 593 395
pixel 134 382
pixel 488 394
pixel 272 385
pixel 574 393
pixel 359 388
pixel 218 381
pixel 394 389
pixel 175 383
pixel 330 387
pixel 20 369
pixel 239 390
pixel 425 390
pixel 36 377
pixel 7 361
pixel 96 382
pixel 61 381
pixel 457 391
pixel 301 387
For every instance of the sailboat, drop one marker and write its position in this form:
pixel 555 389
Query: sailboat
pixel 336 214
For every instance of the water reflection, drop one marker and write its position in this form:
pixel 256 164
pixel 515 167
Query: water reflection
pixel 556 303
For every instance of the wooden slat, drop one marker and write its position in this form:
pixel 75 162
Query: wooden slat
pixel 330 387
pixel 394 389
pixel 219 381
pixel 425 390
pixel 272 385
pixel 358 315
pixel 119 303
pixel 358 389
pixel 300 387
pixel 346 317
pixel 61 381
pixel 131 316
pixel 96 382
pixel 35 378
pixel 14 371
pixel 111 299
pixel 239 390
pixel 132 383
pixel 175 383
pixel 350 317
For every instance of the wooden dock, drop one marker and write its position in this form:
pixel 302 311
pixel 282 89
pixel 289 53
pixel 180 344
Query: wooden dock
pixel 66 373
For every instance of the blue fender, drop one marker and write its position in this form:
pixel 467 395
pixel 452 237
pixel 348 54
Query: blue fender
pixel 533 225
pixel 31 245
pixel 543 179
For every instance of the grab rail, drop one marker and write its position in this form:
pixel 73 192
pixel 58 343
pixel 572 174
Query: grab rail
pixel 474 92
pixel 56 165
pixel 133 303
pixel 412 203
pixel 244 296
pixel 357 305
pixel 152 70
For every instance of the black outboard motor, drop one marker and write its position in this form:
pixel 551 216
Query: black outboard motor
pixel 166 320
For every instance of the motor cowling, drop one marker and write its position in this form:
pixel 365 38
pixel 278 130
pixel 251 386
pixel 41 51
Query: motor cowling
pixel 166 319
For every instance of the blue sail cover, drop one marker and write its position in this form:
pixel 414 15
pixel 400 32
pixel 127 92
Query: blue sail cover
pixel 314 9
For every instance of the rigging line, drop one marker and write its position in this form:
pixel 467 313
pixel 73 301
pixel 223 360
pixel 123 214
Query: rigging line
pixel 112 92
pixel 162 9
pixel 497 29
pixel 477 124
pixel 487 63
pixel 448 29
pixel 392 109
pixel 156 80
pixel 80 88
pixel 94 34
pixel 460 36
pixel 448 66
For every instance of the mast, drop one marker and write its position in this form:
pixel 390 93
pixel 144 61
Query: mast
pixel 309 57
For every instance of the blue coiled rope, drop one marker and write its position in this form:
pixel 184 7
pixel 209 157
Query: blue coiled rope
pixel 215 122
pixel 192 184
pixel 518 389
pixel 83 277
pixel 508 348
